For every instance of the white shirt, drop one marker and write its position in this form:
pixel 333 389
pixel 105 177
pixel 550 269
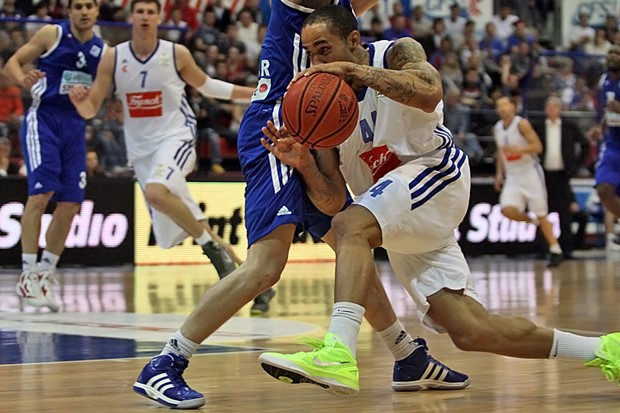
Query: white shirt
pixel 553 147
pixel 504 28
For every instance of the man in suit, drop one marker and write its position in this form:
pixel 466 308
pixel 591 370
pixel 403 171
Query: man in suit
pixel 564 150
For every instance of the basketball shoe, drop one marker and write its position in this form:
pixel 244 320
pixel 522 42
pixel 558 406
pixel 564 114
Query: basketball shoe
pixel 162 380
pixel 608 357
pixel 29 289
pixel 35 288
pixel 219 257
pixel 330 365
pixel 419 371
pixel 261 302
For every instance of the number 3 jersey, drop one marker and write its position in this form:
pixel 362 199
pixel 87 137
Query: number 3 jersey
pixel 389 133
pixel 67 63
pixel 152 92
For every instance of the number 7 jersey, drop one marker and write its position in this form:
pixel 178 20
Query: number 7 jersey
pixel 155 105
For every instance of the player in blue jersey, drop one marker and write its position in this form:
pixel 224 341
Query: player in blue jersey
pixel 53 139
pixel 608 169
pixel 276 207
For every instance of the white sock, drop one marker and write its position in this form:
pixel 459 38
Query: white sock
pixel 28 261
pixel 572 346
pixel 204 238
pixel 346 322
pixel 397 340
pixel 555 249
pixel 48 261
pixel 180 345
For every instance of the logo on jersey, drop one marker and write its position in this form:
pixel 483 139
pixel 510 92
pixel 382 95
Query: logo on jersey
pixel 71 78
pixel 95 51
pixel 262 89
pixel 145 104
pixel 380 161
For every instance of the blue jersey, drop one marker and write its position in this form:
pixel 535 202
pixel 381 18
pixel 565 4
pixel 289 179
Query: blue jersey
pixel 66 64
pixel 282 55
pixel 610 90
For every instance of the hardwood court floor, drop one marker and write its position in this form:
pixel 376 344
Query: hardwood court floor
pixel 114 319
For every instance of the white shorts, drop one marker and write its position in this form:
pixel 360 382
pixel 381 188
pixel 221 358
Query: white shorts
pixel 526 189
pixel 418 206
pixel 169 165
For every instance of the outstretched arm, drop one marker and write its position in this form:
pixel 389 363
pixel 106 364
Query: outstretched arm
pixel 320 171
pixel 209 87
pixel 87 101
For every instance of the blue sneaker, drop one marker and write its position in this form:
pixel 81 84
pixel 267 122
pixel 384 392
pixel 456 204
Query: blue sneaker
pixel 162 380
pixel 419 371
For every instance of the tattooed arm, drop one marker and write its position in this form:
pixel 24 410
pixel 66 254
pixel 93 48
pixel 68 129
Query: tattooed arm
pixel 409 79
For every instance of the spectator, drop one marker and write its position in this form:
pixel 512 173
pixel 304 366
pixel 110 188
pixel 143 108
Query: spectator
pixel 9 9
pixel 213 56
pixel 93 169
pixel 207 34
pixel 503 21
pixel 519 35
pixel 376 12
pixel 611 27
pixel 188 13
pixel 112 138
pixel 230 38
pixel 9 167
pixel 41 11
pixel 491 45
pixel 599 45
pixel 179 27
pixel 451 72
pixel 223 16
pixel 208 140
pixel 438 57
pixel 11 105
pixel 454 22
pixel 474 90
pixel 398 29
pixel 247 29
pixel 457 118
pixel 582 34
pixel 420 24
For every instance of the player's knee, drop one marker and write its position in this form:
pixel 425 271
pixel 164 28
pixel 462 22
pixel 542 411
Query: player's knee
pixel 345 227
pixel 155 196
pixel 471 338
pixel 67 209
pixel 605 191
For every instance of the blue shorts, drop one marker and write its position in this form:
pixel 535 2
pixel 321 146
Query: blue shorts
pixel 608 169
pixel 275 193
pixel 55 153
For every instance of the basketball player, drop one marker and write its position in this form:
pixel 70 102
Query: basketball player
pixel 276 206
pixel 150 76
pixel 411 208
pixel 53 140
pixel 519 175
pixel 607 173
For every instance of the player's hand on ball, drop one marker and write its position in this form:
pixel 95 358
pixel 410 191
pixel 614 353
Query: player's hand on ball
pixel 285 148
pixel 340 69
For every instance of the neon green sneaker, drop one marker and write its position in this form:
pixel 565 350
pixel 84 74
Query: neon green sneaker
pixel 608 357
pixel 330 365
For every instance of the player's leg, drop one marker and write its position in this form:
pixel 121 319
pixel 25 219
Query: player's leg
pixel 261 270
pixel 607 184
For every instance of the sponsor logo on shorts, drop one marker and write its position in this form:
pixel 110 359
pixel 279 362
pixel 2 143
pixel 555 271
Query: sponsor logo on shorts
pixel 145 104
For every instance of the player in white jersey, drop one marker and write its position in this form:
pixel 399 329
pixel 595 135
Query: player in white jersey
pixel 412 211
pixel 150 75
pixel 520 176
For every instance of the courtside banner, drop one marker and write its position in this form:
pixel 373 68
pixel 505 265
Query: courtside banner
pixel 101 233
pixel 223 204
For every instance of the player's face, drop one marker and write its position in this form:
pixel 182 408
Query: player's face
pixel 613 58
pixel 145 16
pixel 504 107
pixel 83 14
pixel 323 46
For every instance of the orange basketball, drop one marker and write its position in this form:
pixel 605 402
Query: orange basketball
pixel 320 111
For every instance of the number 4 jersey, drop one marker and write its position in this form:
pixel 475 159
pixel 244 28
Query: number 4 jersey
pixel 154 102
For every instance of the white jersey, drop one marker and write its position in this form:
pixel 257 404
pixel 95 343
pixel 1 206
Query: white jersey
pixel 153 97
pixel 389 133
pixel 510 136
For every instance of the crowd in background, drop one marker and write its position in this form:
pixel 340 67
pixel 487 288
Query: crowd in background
pixel 510 55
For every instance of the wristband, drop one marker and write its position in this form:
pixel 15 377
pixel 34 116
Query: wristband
pixel 215 88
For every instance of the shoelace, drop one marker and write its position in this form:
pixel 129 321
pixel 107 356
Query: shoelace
pixel 48 277
pixel 176 374
pixel 315 343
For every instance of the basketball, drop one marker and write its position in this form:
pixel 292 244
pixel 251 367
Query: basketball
pixel 320 111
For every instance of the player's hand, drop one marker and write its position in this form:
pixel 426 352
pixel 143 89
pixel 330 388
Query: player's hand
pixel 78 93
pixel 511 150
pixel 31 77
pixel 340 69
pixel 280 143
pixel 499 182
pixel 614 106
